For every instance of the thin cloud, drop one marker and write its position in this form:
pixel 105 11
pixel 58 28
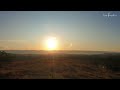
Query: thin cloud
pixel 12 40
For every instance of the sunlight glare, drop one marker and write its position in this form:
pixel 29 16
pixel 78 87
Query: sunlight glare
pixel 51 43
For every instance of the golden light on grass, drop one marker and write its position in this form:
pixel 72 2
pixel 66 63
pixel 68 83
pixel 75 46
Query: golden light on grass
pixel 52 43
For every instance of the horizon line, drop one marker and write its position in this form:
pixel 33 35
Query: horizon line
pixel 65 50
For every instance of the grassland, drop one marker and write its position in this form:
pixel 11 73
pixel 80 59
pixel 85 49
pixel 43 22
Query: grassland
pixel 60 66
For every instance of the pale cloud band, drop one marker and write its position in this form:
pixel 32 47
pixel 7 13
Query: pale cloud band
pixel 12 40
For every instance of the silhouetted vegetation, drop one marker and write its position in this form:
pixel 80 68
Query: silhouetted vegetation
pixel 3 53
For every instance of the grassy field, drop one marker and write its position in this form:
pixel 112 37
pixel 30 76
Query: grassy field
pixel 60 66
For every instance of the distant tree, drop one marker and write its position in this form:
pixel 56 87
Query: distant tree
pixel 3 53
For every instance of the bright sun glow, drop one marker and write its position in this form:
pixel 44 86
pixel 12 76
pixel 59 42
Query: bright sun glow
pixel 51 43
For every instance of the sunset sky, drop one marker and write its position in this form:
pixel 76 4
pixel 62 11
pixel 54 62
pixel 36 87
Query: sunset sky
pixel 74 30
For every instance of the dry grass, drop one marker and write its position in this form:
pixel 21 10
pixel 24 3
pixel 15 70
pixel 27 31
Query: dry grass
pixel 58 67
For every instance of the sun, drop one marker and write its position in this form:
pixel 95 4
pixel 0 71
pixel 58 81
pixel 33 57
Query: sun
pixel 51 43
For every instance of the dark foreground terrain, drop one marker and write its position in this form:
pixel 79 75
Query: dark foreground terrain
pixel 60 66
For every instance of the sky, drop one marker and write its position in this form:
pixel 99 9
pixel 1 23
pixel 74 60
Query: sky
pixel 74 30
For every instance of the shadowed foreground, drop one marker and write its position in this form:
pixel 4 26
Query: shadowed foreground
pixel 60 66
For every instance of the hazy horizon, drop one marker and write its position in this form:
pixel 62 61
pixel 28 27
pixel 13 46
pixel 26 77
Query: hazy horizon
pixel 59 51
pixel 74 30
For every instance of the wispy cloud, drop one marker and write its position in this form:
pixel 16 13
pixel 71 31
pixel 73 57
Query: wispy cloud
pixel 16 45
pixel 4 47
pixel 12 40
